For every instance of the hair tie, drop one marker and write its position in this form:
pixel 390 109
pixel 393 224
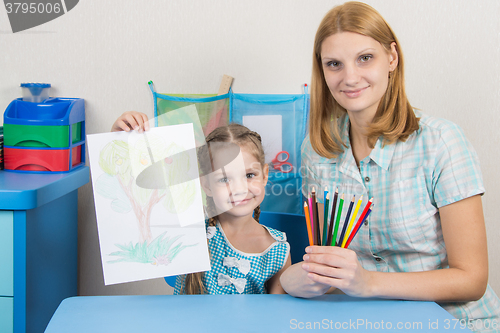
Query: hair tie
pixel 257 135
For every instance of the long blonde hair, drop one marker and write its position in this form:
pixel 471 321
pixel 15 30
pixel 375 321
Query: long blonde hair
pixel 232 133
pixel 394 119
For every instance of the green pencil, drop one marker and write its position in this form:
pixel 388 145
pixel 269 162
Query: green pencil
pixel 337 222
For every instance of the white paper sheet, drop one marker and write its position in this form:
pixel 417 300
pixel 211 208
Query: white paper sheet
pixel 270 129
pixel 148 233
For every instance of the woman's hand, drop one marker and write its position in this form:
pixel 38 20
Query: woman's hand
pixel 338 268
pixel 131 120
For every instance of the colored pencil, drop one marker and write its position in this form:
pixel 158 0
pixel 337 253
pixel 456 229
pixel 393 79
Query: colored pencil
pixel 308 223
pixel 325 218
pixel 360 221
pixel 311 219
pixel 317 225
pixel 358 226
pixel 351 222
pixel 337 221
pixel 315 220
pixel 346 222
pixel 332 217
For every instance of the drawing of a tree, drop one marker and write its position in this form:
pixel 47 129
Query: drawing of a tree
pixel 121 163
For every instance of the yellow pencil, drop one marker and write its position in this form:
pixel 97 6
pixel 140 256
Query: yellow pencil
pixel 308 223
pixel 351 222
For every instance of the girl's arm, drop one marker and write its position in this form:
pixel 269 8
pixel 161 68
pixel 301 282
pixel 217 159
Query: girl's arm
pixel 273 284
pixel 465 280
pixel 295 281
pixel 131 120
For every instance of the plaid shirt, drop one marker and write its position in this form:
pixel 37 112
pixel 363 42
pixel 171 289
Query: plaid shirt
pixel 409 182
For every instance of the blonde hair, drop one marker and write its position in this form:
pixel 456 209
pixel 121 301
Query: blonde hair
pixel 394 119
pixel 243 137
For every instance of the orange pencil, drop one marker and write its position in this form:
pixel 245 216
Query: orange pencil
pixel 308 224
pixel 309 199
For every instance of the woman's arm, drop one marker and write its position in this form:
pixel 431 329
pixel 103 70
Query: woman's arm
pixel 465 280
pixel 273 284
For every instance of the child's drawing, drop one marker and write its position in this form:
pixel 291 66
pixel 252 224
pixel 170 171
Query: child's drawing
pixel 140 227
pixel 161 251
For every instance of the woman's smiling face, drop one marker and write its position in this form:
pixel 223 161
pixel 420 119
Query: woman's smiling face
pixel 356 70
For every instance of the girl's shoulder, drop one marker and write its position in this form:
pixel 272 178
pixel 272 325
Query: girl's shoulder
pixel 278 236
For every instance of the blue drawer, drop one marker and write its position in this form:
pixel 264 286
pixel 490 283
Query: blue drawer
pixel 6 314
pixel 6 253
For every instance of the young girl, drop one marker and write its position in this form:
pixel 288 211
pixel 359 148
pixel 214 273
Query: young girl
pixel 425 239
pixel 246 257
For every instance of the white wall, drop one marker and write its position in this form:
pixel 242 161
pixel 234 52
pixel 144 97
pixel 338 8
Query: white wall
pixel 107 51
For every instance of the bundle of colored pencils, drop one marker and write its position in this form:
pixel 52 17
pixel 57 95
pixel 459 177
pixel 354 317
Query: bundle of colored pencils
pixel 331 226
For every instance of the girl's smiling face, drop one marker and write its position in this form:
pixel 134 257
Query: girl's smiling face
pixel 356 70
pixel 239 186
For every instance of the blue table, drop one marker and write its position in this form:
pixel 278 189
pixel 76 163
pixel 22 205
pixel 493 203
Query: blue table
pixel 38 246
pixel 246 313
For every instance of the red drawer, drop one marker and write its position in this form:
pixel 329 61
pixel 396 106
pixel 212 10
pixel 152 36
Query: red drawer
pixel 42 159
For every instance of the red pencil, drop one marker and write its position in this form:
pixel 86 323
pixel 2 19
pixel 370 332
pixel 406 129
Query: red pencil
pixel 360 222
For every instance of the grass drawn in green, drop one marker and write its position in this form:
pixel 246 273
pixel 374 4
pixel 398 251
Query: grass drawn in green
pixel 161 251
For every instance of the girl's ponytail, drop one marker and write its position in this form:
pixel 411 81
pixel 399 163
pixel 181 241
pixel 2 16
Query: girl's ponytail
pixel 256 213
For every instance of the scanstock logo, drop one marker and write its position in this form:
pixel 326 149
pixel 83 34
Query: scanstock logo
pixel 31 13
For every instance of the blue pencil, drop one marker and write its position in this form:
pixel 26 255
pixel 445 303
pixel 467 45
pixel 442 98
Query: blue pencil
pixel 346 222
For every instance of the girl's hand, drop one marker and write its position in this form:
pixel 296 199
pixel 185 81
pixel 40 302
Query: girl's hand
pixel 295 281
pixel 131 120
pixel 337 267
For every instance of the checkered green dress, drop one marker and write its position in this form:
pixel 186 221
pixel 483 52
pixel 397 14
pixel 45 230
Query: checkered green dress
pixel 236 272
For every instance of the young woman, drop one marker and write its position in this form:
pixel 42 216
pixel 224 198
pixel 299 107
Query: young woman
pixel 425 238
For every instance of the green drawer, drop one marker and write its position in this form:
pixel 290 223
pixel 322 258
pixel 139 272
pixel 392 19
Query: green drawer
pixel 76 133
pixel 41 136
pixel 6 254
pixel 6 314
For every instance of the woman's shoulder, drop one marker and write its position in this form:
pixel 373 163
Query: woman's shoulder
pixel 306 144
pixel 435 124
pixel 435 132
pixel 309 156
